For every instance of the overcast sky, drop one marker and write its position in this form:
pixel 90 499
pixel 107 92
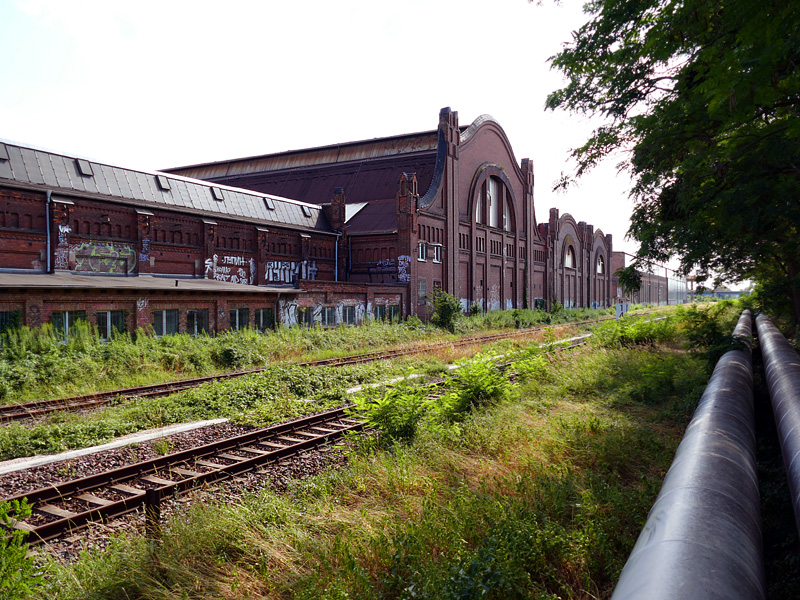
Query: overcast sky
pixel 155 84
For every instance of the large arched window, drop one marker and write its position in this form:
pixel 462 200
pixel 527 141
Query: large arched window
pixel 601 265
pixel 493 205
pixel 569 258
pixel 493 200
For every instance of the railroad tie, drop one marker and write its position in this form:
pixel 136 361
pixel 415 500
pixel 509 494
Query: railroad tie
pixel 208 463
pixel 230 456
pixel 186 472
pixel 56 511
pixel 92 499
pixel 126 489
pixel 271 445
pixel 156 480
pixel 290 439
pixel 255 450
pixel 323 429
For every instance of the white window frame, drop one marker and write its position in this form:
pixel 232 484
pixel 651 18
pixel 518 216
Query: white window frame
pixel 569 258
pixel 422 252
pixel 163 318
pixel 437 253
pixel 109 325
pixel 238 313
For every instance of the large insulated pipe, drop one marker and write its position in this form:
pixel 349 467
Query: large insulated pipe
pixel 702 538
pixel 782 367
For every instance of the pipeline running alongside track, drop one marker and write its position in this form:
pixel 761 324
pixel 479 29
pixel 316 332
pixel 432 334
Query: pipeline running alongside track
pixel 782 368
pixel 702 538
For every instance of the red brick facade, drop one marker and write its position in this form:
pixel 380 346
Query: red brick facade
pixel 376 228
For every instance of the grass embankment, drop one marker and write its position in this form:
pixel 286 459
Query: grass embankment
pixel 39 363
pixel 497 491
pixel 278 393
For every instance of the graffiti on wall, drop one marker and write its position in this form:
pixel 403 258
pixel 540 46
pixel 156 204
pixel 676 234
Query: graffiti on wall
pixel 287 309
pixel 102 257
pixel 286 271
pixel 34 316
pixel 144 255
pixel 62 250
pixel 141 304
pixel 403 266
pixel 494 297
pixel 235 269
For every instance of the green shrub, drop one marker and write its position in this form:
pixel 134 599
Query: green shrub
pixel 18 576
pixel 446 310
pixel 628 332
pixel 397 413
pixel 477 384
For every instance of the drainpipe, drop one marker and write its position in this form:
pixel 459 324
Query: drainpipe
pixel 47 220
pixel 336 256
pixel 349 256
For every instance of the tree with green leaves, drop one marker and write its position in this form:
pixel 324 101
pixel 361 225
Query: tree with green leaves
pixel 703 97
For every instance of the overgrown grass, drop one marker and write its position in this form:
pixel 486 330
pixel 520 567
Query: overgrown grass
pixel 39 363
pixel 276 394
pixel 538 495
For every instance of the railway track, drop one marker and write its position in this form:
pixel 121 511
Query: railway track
pixel 39 408
pixel 63 508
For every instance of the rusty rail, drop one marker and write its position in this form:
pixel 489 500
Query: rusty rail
pixel 185 469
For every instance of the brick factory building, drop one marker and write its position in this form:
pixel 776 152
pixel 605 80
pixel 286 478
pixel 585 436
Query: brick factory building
pixel 330 235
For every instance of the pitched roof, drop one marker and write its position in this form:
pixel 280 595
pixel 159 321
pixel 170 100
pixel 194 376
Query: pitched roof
pixel 379 216
pixel 42 170
pixel 367 170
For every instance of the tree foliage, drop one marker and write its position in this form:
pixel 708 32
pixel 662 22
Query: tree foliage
pixel 702 96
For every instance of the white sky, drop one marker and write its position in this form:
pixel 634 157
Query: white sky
pixel 159 83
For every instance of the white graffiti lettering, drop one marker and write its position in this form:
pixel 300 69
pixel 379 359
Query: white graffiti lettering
pixel 218 268
pixel 284 271
pixel 403 264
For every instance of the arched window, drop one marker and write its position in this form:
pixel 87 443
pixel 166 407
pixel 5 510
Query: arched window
pixel 493 200
pixel 569 258
pixel 601 265
pixel 507 214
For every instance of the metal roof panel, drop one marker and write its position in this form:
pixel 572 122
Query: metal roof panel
pixel 139 187
pixel 47 169
pixel 111 180
pixel 31 166
pixel 62 174
pixel 90 183
pixel 135 184
pixel 101 180
pixel 5 169
pixel 124 187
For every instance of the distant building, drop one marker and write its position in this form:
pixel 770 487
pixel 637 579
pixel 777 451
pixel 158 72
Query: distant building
pixel 660 285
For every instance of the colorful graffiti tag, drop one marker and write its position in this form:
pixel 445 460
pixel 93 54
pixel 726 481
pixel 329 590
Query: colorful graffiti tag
pixel 101 257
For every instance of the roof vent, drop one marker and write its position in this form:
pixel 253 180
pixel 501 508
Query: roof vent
pixel 163 182
pixel 269 203
pixel 217 193
pixel 84 168
pixel 306 211
pixel 3 152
